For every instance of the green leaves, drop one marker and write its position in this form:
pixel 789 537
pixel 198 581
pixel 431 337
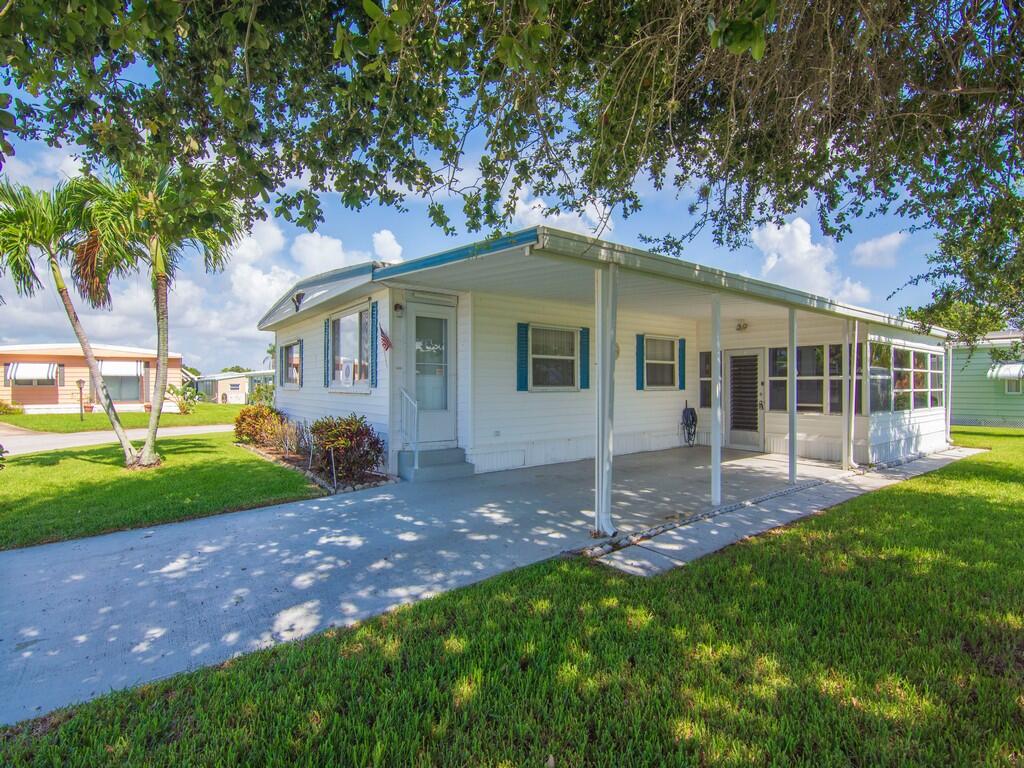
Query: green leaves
pixel 745 31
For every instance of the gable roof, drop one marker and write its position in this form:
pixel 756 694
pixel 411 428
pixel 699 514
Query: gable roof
pixel 342 284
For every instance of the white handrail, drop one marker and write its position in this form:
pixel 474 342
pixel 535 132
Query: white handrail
pixel 411 425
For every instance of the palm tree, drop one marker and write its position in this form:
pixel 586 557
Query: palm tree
pixel 163 218
pixel 271 355
pixel 53 225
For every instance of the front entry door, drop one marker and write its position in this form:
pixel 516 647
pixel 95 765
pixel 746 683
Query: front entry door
pixel 744 416
pixel 433 370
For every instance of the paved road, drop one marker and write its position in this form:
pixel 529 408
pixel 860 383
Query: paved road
pixel 17 441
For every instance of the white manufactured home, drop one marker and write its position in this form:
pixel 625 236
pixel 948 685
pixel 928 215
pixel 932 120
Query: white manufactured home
pixel 545 346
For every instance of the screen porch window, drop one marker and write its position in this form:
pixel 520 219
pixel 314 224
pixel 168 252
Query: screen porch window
pixel 810 378
pixel 918 379
pixel 659 362
pixel 704 364
pixel 835 377
pixel 880 384
pixel 350 349
pixel 554 357
pixel 292 363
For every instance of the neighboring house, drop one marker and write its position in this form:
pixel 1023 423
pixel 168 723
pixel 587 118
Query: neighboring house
pixel 43 378
pixel 545 346
pixel 988 393
pixel 231 386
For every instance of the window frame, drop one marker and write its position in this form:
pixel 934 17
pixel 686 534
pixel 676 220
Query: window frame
pixel 358 386
pixel 1020 387
pixel 297 384
pixel 575 386
pixel 674 362
pixel 701 378
pixel 823 377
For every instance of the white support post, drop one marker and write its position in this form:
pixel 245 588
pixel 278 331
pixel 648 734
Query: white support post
pixel 948 394
pixel 847 403
pixel 716 401
pixel 851 410
pixel 605 306
pixel 791 394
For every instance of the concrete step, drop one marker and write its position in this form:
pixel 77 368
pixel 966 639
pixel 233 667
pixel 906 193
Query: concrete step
pixel 437 464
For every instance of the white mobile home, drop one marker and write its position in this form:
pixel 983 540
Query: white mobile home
pixel 546 346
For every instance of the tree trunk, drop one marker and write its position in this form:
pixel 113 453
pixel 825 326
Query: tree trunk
pixel 149 456
pixel 94 367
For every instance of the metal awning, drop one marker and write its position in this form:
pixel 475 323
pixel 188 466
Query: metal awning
pixel 121 367
pixel 31 371
pixel 1007 371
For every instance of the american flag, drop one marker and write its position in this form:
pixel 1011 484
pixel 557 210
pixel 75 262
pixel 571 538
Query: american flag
pixel 385 340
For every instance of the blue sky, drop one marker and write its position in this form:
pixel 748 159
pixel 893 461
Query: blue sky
pixel 213 317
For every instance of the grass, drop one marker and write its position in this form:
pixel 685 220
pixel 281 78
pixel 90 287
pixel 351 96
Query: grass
pixel 203 415
pixel 57 495
pixel 889 630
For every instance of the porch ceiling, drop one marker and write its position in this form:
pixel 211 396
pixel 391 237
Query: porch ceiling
pixel 537 275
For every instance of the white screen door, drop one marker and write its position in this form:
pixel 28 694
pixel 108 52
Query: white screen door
pixel 433 370
pixel 744 411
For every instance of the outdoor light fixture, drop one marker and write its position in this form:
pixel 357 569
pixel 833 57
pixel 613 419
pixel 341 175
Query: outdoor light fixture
pixel 399 310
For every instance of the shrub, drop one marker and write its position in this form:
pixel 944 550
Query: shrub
pixel 6 409
pixel 357 448
pixel 2 452
pixel 262 394
pixel 257 424
pixel 185 397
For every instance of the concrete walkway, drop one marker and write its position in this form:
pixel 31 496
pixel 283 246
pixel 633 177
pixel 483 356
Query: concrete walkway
pixel 677 547
pixel 18 441
pixel 80 618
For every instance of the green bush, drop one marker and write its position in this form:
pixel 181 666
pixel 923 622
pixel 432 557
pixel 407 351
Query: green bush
pixel 262 394
pixel 185 397
pixel 2 452
pixel 6 409
pixel 258 424
pixel 357 449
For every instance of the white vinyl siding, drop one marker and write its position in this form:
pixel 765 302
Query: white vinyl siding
pixel 513 428
pixel 314 400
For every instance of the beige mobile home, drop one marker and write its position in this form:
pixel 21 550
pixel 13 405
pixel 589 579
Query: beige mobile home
pixel 545 346
pixel 43 378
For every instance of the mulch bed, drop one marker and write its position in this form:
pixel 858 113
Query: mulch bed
pixel 300 463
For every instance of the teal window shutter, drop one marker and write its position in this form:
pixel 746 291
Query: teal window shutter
pixel 522 357
pixel 373 344
pixel 584 358
pixel 280 365
pixel 302 362
pixel 639 361
pixel 682 363
pixel 327 353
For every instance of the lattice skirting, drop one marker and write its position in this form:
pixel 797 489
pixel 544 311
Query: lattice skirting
pixel 991 421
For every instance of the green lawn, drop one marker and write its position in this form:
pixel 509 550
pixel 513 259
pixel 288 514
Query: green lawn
pixel 78 492
pixel 889 630
pixel 204 414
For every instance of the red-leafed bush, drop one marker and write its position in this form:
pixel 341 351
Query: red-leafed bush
pixel 258 424
pixel 357 449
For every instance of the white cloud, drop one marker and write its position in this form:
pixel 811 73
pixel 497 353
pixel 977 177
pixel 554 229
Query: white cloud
pixel 530 212
pixel 386 246
pixel 265 241
pixel 879 252
pixel 319 253
pixel 792 259
pixel 44 168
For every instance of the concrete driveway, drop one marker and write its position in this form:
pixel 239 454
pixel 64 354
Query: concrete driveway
pixel 80 618
pixel 16 440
